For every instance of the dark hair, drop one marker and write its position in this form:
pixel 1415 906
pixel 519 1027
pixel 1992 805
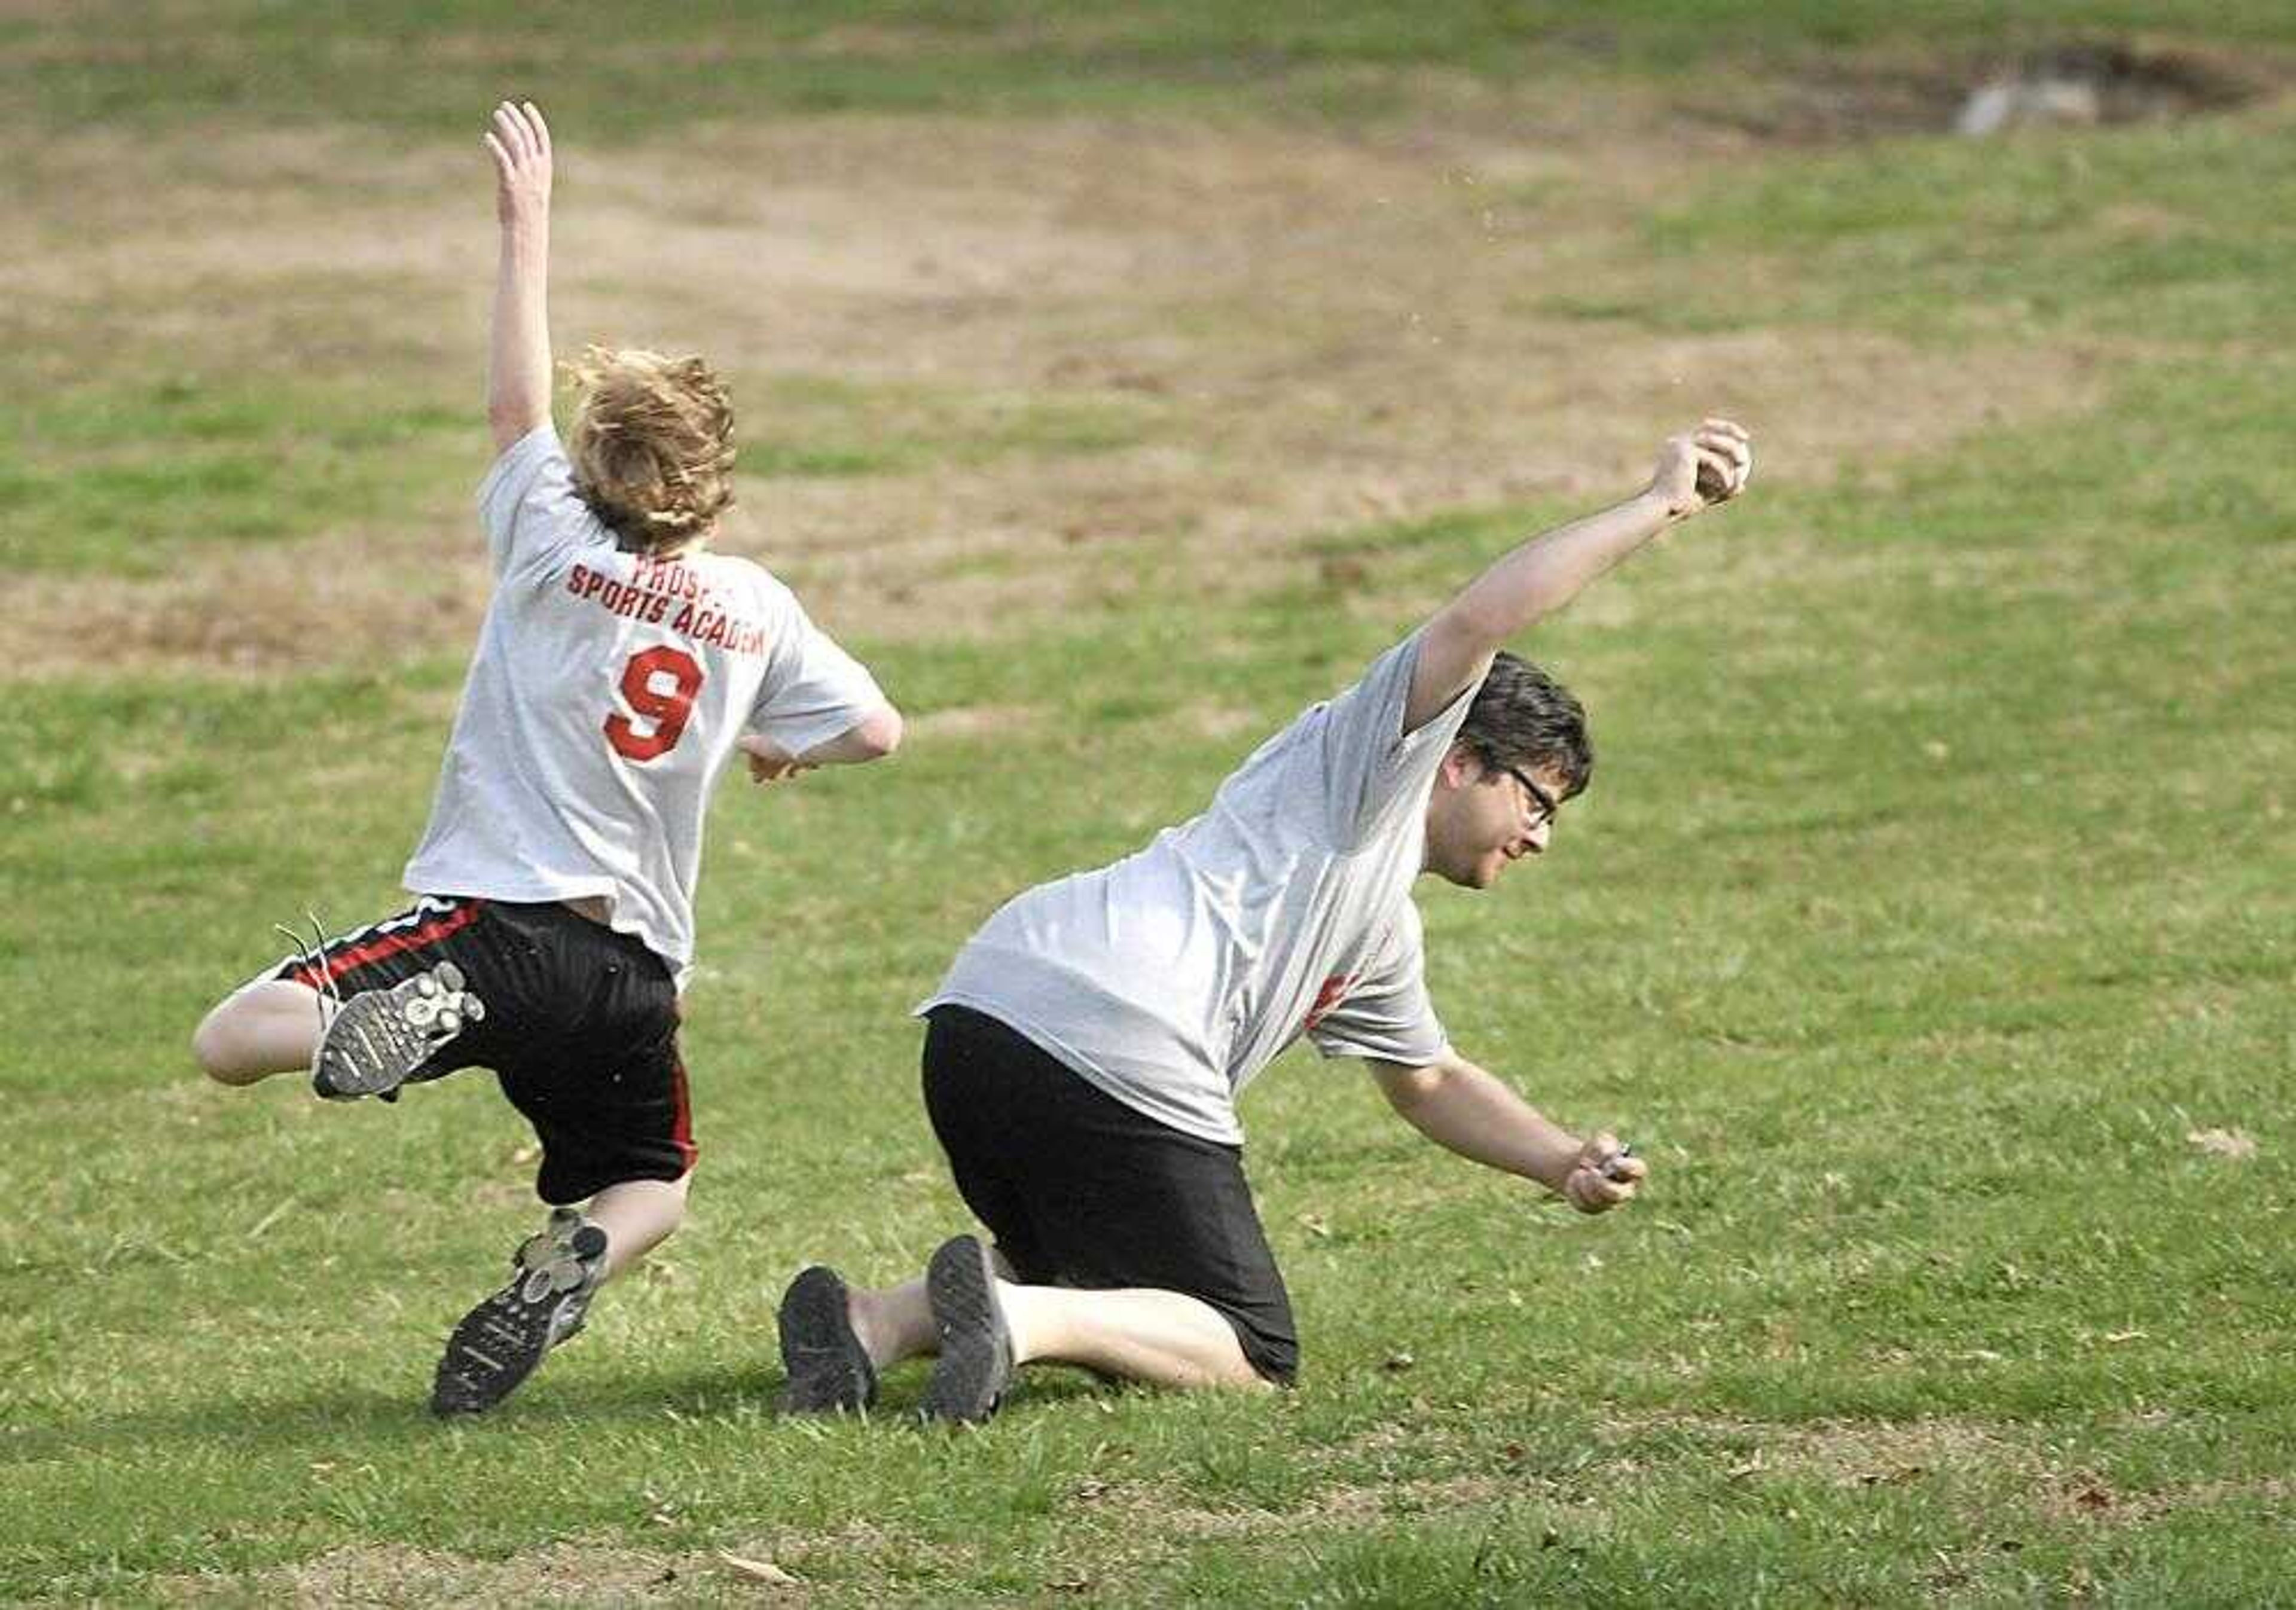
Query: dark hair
pixel 1522 717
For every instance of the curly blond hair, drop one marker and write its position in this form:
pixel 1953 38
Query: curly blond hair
pixel 652 445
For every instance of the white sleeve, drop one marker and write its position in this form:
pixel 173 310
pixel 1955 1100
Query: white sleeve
pixel 529 508
pixel 814 691
pixel 1386 1012
pixel 1369 762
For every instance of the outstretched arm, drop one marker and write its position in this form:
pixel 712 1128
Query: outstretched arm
pixel 1461 1106
pixel 518 369
pixel 1695 473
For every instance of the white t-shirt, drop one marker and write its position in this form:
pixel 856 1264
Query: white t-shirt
pixel 605 697
pixel 1169 979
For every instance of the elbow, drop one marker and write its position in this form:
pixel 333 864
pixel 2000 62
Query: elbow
pixel 879 735
pixel 1473 628
pixel 1408 1089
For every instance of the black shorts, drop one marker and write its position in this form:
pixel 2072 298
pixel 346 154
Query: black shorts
pixel 580 1029
pixel 1082 1191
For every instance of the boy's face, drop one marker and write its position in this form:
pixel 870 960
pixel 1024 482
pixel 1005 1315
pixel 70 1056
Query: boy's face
pixel 1480 822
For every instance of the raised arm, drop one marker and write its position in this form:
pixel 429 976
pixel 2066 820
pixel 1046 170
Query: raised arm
pixel 518 368
pixel 1469 1111
pixel 1695 471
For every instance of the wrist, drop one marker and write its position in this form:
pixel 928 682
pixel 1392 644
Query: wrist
pixel 1654 506
pixel 1553 1165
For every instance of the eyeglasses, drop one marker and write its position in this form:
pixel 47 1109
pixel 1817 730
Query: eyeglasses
pixel 1543 804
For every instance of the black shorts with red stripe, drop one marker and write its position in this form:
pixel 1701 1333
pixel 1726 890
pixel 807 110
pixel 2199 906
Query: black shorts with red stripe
pixel 580 1028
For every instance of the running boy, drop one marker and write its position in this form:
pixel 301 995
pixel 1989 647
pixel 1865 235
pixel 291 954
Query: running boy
pixel 621 663
pixel 1083 1056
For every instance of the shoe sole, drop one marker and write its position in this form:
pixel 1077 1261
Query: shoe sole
pixel 829 1370
pixel 493 1349
pixel 498 1343
pixel 975 1365
pixel 377 1040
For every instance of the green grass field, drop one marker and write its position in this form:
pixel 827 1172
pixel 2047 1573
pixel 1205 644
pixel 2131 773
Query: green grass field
pixel 1117 382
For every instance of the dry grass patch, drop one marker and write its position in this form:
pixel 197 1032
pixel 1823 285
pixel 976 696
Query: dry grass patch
pixel 398 1575
pixel 777 1567
pixel 1849 1453
pixel 968 721
pixel 1147 1508
pixel 2084 1496
pixel 1880 94
pixel 353 602
pixel 1306 330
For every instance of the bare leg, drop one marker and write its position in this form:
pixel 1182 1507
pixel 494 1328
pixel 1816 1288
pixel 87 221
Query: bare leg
pixel 270 1026
pixel 894 1324
pixel 1163 1338
pixel 898 1323
pixel 637 1216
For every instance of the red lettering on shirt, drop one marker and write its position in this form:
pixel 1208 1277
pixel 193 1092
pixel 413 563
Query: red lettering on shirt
pixel 661 592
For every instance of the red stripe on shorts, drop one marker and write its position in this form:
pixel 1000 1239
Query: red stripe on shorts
pixel 389 944
pixel 681 1128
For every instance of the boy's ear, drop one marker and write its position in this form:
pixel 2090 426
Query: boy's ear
pixel 1458 767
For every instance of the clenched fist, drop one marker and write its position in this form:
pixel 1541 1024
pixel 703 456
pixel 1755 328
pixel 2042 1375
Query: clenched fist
pixel 1709 465
pixel 1604 1175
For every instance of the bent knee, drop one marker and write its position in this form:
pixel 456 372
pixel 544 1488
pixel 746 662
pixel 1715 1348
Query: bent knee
pixel 221 1049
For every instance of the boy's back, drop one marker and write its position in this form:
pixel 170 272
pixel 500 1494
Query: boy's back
pixel 608 690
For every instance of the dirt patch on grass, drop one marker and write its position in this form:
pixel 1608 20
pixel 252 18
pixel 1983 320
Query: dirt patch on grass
pixel 1213 341
pixel 351 602
pixel 564 1573
pixel 1881 1453
pixel 768 1569
pixel 1150 1509
pixel 967 721
pixel 2084 1496
pixel 2076 83
pixel 1864 1453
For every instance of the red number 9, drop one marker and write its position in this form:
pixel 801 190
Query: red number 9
pixel 666 709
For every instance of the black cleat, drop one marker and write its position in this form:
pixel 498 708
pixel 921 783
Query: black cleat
pixel 975 1365
pixel 829 1370
pixel 498 1343
pixel 377 1038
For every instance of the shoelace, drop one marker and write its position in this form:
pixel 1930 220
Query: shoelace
pixel 314 957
